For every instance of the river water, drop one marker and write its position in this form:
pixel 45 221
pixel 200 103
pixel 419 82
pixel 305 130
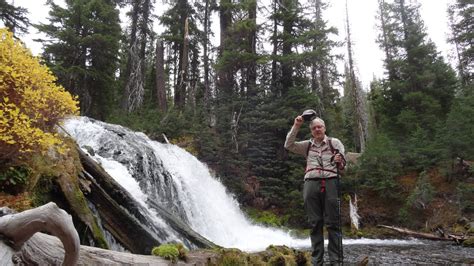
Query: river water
pixel 413 252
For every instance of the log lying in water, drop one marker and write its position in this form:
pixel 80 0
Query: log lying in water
pixel 457 239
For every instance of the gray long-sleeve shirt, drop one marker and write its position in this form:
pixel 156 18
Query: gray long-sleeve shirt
pixel 318 157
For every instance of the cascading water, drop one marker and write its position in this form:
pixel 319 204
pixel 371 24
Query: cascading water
pixel 168 176
pixel 175 179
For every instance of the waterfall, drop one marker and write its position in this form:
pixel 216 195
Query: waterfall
pixel 353 212
pixel 166 175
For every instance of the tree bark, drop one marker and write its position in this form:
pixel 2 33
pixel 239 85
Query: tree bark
pixel 160 76
pixel 43 249
pixel 356 93
pixel 18 228
pixel 423 235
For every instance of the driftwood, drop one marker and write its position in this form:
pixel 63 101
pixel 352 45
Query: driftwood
pixel 21 243
pixel 17 228
pixel 448 237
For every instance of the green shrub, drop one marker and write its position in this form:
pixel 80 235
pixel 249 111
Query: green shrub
pixel 167 251
pixel 14 179
pixel 379 165
pixel 466 197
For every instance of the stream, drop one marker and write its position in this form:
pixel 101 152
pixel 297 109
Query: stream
pixel 410 252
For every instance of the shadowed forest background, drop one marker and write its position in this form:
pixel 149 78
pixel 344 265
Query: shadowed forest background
pixel 231 104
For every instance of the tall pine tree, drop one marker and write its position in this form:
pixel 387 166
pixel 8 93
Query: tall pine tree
pixel 82 51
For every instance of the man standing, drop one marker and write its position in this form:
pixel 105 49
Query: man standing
pixel 324 159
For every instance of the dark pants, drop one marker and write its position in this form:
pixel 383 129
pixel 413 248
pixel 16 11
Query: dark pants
pixel 321 207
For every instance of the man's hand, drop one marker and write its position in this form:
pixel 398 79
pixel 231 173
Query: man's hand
pixel 338 158
pixel 298 121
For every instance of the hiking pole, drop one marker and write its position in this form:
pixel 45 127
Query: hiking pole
pixel 341 256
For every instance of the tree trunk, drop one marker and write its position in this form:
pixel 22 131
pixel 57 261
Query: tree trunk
pixel 183 69
pixel 275 48
pixel 286 67
pixel 207 86
pixel 160 77
pixel 20 227
pixel 43 249
pixel 356 93
pixel 423 235
pixel 252 49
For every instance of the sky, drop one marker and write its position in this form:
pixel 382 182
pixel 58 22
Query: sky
pixel 367 54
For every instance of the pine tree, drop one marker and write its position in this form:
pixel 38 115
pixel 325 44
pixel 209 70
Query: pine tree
pixel 83 50
pixel 462 33
pixel 139 37
pixel 180 22
pixel 14 18
pixel 420 85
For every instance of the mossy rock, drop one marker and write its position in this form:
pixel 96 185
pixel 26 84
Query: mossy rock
pixel 233 257
pixel 280 259
pixel 166 251
pixel 283 255
pixel 255 260
pixel 183 252
pixel 468 242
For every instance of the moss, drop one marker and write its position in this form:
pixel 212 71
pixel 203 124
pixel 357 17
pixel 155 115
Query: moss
pixel 266 217
pixel 167 251
pixel 255 260
pixel 302 258
pixel 458 229
pixel 232 257
pixel 183 252
pixel 468 242
pixel 281 249
pixel 280 259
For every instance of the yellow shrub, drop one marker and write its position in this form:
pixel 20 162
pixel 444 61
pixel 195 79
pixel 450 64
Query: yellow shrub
pixel 31 104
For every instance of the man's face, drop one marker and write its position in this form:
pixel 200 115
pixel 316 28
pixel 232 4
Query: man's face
pixel 318 130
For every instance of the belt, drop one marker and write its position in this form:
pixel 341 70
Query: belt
pixel 323 182
pixel 321 169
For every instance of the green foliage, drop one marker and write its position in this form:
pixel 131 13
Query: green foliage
pixel 167 251
pixel 422 194
pixel 13 179
pixel 266 217
pixel 457 136
pixel 466 197
pixel 468 242
pixel 85 61
pixel 420 152
pixel 420 87
pixel 14 17
pixel 460 20
pixel 379 165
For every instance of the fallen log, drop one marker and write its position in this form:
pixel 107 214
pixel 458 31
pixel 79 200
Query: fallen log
pixel 457 239
pixel 113 201
pixel 21 242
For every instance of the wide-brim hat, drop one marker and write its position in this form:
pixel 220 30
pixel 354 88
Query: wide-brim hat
pixel 309 115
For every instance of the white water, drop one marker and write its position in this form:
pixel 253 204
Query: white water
pixel 210 209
